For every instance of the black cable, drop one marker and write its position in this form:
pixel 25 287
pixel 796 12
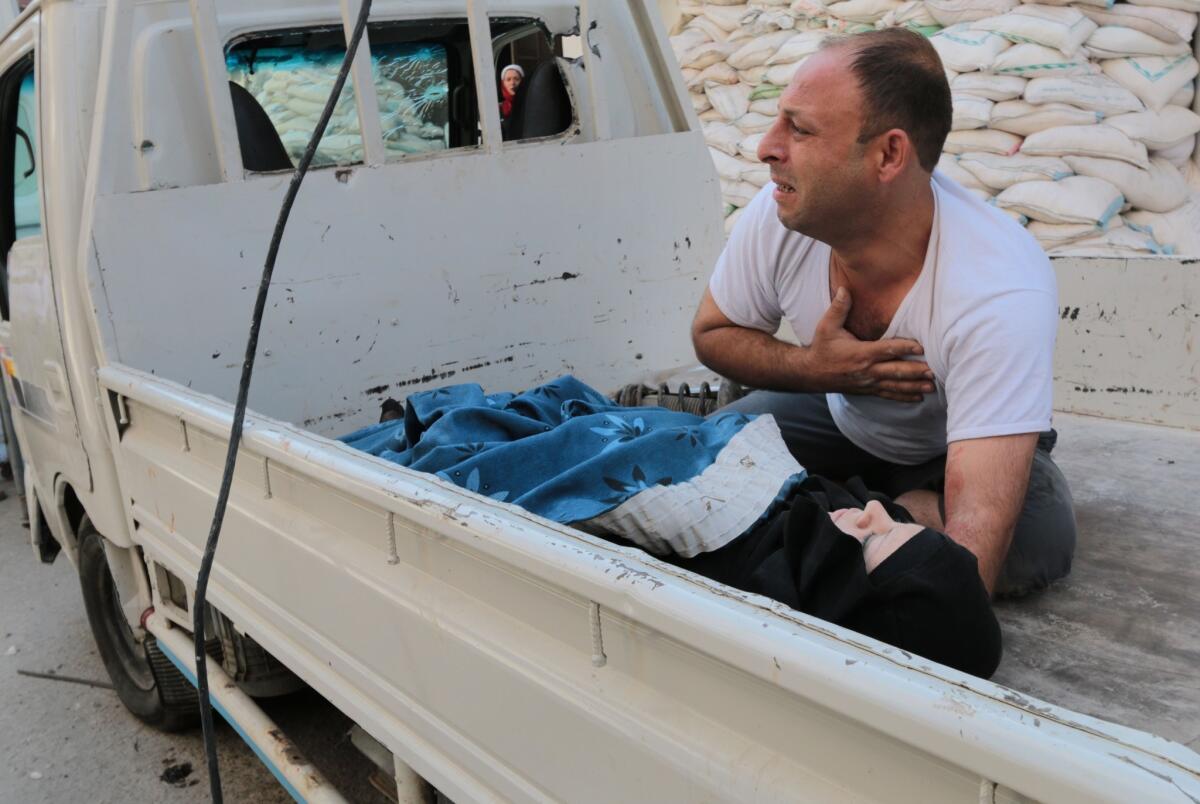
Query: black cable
pixel 239 411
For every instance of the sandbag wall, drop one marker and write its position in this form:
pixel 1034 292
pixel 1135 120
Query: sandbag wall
pixel 1076 120
pixel 292 87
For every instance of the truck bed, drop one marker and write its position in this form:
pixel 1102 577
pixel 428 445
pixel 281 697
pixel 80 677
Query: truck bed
pixel 1119 638
pixel 443 622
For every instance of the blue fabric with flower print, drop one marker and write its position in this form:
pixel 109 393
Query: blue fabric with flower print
pixel 561 450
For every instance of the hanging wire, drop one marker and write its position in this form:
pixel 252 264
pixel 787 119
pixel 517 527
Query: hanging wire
pixel 239 411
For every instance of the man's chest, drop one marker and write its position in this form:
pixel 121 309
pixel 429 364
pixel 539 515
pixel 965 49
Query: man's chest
pixel 869 319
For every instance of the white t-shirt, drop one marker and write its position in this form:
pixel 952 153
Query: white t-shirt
pixel 985 308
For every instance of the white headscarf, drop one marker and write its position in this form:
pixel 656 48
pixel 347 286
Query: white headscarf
pixel 520 71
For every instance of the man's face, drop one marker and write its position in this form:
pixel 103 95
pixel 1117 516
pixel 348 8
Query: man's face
pixel 817 164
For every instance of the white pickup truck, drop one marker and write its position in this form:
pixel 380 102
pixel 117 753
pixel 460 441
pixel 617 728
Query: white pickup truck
pixel 145 146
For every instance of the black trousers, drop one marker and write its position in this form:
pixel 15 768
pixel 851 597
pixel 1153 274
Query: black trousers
pixel 926 598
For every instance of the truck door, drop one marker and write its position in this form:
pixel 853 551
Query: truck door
pixel 36 380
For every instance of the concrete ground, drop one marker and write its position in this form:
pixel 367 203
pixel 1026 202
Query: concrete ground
pixel 1119 639
pixel 64 742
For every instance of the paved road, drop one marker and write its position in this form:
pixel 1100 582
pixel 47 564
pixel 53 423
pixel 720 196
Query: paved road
pixel 62 742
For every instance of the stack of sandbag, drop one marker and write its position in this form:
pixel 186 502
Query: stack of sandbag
pixel 1074 119
pixel 293 90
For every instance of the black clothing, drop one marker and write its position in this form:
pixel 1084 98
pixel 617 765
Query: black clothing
pixel 1044 537
pixel 926 598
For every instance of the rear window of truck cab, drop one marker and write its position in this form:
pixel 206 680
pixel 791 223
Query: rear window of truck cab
pixel 423 77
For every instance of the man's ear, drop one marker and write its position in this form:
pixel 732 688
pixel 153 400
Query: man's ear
pixel 895 151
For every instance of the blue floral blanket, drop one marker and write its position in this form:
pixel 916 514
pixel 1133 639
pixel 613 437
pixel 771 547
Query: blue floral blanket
pixel 668 481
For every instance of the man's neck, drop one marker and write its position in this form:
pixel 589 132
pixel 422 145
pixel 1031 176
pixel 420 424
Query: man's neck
pixel 892 251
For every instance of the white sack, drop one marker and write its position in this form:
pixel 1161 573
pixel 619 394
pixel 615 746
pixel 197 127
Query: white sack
pixel 754 76
pixel 1063 28
pixel 1115 42
pixel 757 174
pixel 1076 199
pixel 726 17
pixel 1179 154
pixel 1012 213
pixel 766 106
pixel 1022 117
pixel 948 165
pixel 798 46
pixel 754 123
pixel 1161 188
pixel 864 11
pixel 1154 79
pixel 757 50
pixel 769 22
pixel 970 112
pixel 1158 130
pixel 1166 24
pixel 1101 141
pixel 1082 5
pixel 1035 61
pixel 688 39
pixel 910 13
pixel 723 136
pixel 728 167
pixel 1057 235
pixel 1178 231
pixel 781 74
pixel 719 73
pixel 1119 241
pixel 707 54
pixel 1001 172
pixel 808 9
pixel 748 146
pixel 1185 96
pixel 983 141
pixel 738 193
pixel 714 32
pixel 699 102
pixel 1096 92
pixel 731 102
pixel 964 50
pixel 1191 6
pixel 985 85
pixel 952 12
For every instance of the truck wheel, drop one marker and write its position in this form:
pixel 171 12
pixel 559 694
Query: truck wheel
pixel 145 680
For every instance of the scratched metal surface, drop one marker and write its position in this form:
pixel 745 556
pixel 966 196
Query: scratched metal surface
pixel 1120 637
pixel 1127 339
pixel 460 269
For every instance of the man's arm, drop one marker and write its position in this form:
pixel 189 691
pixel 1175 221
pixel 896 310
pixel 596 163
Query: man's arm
pixel 835 361
pixel 986 480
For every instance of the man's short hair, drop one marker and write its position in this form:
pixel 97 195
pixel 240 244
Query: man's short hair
pixel 904 86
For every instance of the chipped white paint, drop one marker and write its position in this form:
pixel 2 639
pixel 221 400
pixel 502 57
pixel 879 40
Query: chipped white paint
pixel 1129 339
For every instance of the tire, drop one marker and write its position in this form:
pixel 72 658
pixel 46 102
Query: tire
pixel 147 683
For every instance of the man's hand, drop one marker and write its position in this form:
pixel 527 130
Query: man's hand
pixel 844 364
pixel 835 361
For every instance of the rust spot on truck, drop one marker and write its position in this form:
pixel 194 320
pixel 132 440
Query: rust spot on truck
pixel 293 756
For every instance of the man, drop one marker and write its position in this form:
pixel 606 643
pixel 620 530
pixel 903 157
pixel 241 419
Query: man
pixel 926 318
